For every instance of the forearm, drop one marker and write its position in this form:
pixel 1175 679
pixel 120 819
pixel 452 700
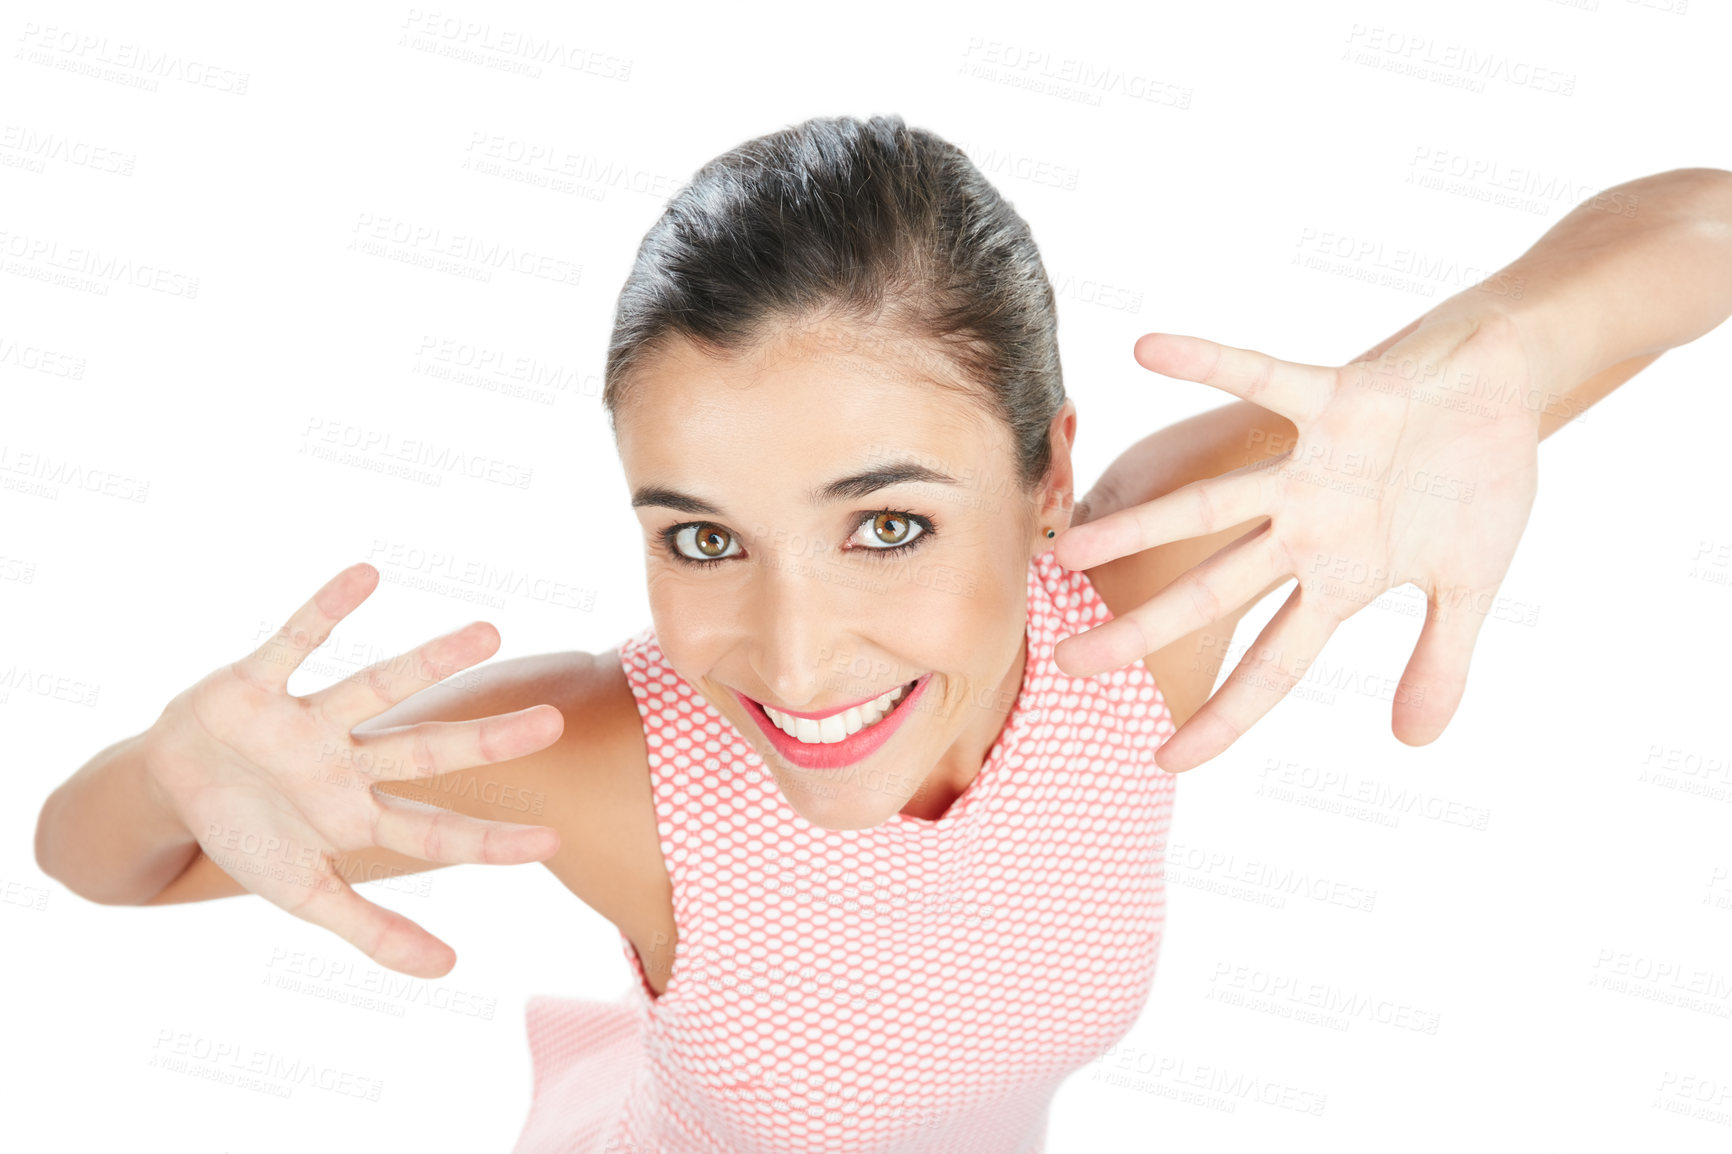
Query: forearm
pixel 1602 293
pixel 1596 299
pixel 107 834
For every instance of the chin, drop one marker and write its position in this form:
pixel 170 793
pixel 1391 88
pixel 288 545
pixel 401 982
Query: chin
pixel 834 805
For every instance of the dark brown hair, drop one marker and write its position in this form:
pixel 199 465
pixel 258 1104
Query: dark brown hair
pixel 869 221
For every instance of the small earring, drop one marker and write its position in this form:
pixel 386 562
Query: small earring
pixel 1052 533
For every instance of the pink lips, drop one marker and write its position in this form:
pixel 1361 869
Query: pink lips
pixel 855 747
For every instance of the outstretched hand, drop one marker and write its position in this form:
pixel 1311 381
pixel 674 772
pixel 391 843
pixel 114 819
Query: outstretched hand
pixel 262 777
pixel 1417 465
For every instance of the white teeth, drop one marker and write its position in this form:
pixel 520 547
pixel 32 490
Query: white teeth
pixel 840 725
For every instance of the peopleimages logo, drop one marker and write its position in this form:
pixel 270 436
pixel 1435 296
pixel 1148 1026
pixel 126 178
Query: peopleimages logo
pixel 40 257
pixel 385 445
pixel 94 55
pixel 468 254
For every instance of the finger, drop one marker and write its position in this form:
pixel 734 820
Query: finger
pixel 425 831
pixel 1204 594
pixel 370 691
pixel 270 665
pixel 1196 510
pixel 387 937
pixel 1275 663
pixel 1296 391
pixel 1436 675
pixel 430 748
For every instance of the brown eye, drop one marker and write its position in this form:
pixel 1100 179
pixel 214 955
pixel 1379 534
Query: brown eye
pixel 710 542
pixel 891 525
pixel 891 531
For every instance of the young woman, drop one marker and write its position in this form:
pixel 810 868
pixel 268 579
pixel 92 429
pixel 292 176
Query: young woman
pixel 884 869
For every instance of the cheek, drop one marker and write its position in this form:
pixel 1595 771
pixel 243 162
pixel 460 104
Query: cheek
pixel 694 625
pixel 950 615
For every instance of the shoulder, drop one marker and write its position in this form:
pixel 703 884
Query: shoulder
pixel 613 857
pixel 590 690
pixel 594 694
pixel 1200 447
pixel 592 784
pixel 1177 669
pixel 1186 669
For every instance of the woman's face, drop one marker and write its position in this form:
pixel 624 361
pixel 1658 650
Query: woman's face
pixel 824 525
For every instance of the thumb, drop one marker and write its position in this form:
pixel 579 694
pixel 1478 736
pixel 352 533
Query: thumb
pixel 1436 675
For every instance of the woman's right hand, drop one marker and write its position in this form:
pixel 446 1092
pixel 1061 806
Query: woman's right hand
pixel 267 782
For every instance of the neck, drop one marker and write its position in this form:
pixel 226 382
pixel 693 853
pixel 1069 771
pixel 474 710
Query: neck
pixel 956 771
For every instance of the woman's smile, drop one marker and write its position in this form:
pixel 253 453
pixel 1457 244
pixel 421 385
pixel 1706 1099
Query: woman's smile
pixel 840 737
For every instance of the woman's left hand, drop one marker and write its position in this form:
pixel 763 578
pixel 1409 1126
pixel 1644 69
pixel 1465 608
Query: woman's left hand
pixel 1419 465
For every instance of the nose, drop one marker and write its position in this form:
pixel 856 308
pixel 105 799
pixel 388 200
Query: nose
pixel 797 622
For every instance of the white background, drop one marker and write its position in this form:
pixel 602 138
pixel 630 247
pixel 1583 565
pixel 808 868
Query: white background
pixel 1549 948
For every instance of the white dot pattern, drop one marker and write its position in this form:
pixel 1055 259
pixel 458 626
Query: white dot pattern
pixel 919 987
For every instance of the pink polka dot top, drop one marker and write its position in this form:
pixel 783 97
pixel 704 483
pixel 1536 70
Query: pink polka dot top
pixel 917 987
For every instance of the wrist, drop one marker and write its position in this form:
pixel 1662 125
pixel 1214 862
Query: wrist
pixel 108 834
pixel 159 815
pixel 1545 353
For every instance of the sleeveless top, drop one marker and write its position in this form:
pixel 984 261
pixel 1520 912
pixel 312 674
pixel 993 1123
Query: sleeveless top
pixel 916 987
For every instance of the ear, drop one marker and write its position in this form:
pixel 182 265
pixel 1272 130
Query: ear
pixel 1058 496
pixel 1062 433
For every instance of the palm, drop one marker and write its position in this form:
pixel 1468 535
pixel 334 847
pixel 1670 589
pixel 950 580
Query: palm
pixel 251 725
pixel 1441 501
pixel 1393 478
pixel 265 845
pixel 276 788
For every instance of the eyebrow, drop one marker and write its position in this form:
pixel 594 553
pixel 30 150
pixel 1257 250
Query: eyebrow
pixel 843 488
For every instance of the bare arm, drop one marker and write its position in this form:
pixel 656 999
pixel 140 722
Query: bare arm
pixel 1595 300
pixel 589 786
pixel 1601 295
pixel 568 786
pixel 107 834
pixel 1600 288
pixel 279 790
